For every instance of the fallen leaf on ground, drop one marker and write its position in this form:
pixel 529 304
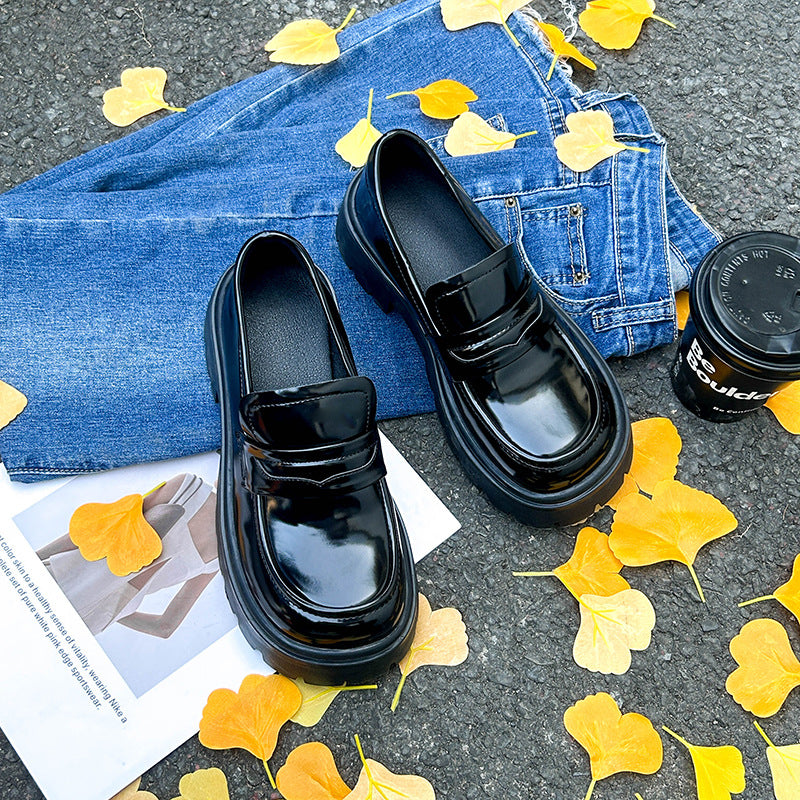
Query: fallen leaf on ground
pixel 610 628
pixel 784 764
pixel 132 792
pixel 141 92
pixel 317 700
pixel 306 42
pixel 786 407
pixel 375 781
pixel 671 526
pixel 561 47
pixel 355 145
pixel 591 569
pixel 589 141
pixel 471 135
pixel 12 402
pixel 656 447
pixel 204 784
pixel 440 640
pixel 443 99
pixel 615 742
pixel 250 718
pixel 787 594
pixel 459 14
pixel 616 24
pixel 628 487
pixel 117 532
pixel 310 773
pixel 719 771
pixel 682 309
pixel 768 668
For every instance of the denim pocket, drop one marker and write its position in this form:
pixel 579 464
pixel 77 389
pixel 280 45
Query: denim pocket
pixel 552 230
pixel 553 241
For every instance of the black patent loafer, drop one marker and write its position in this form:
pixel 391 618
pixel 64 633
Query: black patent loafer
pixel 316 561
pixel 530 408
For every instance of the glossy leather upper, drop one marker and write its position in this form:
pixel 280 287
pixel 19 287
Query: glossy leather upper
pixel 527 387
pixel 321 545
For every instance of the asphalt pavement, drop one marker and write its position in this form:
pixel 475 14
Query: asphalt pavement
pixel 721 87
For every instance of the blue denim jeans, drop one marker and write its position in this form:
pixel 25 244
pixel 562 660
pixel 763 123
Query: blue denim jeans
pixel 108 260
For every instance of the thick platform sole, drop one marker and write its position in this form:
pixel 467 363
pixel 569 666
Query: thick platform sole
pixel 289 657
pixel 565 507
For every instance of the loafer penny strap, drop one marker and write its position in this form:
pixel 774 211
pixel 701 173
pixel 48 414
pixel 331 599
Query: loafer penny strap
pixel 310 439
pixel 335 467
pixel 490 315
pixel 476 295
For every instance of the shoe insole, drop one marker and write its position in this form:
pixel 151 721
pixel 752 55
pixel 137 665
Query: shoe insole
pixel 285 326
pixel 433 231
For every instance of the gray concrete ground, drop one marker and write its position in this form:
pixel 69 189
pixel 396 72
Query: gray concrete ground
pixel 721 87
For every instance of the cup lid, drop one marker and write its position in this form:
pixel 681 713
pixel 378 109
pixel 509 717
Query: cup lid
pixel 753 282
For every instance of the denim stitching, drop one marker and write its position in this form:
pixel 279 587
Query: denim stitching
pixel 582 244
pixel 665 268
pixel 607 319
pixel 540 189
pixel 617 252
pixel 312 71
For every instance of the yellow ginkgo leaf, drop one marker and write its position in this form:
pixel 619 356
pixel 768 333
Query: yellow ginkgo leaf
pixel 610 628
pixel 768 668
pixel 355 145
pixel 310 773
pixel 719 771
pixel 561 47
pixel 590 140
pixel 12 402
pixel 117 532
pixel 306 41
pixel 615 742
pixel 671 526
pixel 440 639
pixel 628 487
pixel 682 309
pixel 784 764
pixel 656 447
pixel 250 718
pixel 317 700
pixel 376 783
pixel 443 99
pixel 459 14
pixel 786 407
pixel 615 24
pixel 471 135
pixel 141 92
pixel 132 792
pixel 204 784
pixel 787 594
pixel 591 569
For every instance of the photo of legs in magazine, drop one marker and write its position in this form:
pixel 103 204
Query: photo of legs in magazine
pixel 152 621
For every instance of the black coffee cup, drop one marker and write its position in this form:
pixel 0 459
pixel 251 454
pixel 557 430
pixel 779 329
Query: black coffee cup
pixel 742 342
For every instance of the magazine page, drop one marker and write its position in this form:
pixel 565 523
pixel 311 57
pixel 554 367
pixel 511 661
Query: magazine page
pixel 104 675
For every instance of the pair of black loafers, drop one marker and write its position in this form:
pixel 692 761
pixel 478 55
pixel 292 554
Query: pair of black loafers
pixel 316 560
